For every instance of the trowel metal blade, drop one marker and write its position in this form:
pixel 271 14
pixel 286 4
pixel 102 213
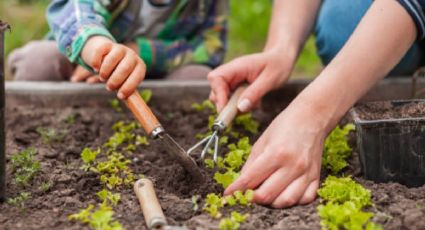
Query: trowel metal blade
pixel 180 155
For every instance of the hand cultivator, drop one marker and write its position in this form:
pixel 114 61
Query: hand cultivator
pixel 223 120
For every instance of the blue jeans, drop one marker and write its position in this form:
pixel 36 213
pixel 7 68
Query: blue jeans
pixel 337 20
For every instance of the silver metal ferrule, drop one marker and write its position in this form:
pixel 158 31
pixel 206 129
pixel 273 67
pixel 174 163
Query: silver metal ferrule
pixel 156 132
pixel 219 126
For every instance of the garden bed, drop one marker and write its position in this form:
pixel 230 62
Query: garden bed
pixel 71 188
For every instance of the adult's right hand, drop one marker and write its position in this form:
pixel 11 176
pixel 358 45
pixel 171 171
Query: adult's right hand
pixel 263 71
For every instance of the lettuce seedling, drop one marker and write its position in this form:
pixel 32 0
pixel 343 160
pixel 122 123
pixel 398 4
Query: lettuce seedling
pixel 24 166
pixel 342 216
pixel 336 149
pixel 212 205
pixel 70 119
pixel 345 200
pixel 88 156
pixel 226 178
pixel 234 222
pixel 100 219
pixel 195 200
pixel 50 135
pixel 340 190
pixel 247 122
pixel 146 95
pixel 205 105
pixel 19 201
pixel 108 197
pixel 115 104
pixel 45 186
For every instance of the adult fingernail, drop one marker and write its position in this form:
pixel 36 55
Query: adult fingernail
pixel 107 87
pixel 120 95
pixel 73 79
pixel 244 105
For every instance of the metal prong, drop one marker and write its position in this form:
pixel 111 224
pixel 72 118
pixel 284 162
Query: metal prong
pixel 215 148
pixel 204 151
pixel 198 144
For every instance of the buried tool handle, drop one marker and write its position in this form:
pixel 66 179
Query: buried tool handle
pixel 152 211
pixel 229 111
pixel 142 112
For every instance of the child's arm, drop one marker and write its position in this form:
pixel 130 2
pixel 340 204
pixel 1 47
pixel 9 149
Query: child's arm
pixel 73 22
pixel 82 36
pixel 206 47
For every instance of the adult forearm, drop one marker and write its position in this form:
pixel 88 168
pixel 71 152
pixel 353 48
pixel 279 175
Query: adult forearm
pixel 291 23
pixel 379 42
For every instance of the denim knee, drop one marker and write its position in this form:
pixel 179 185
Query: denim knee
pixel 335 23
pixel 337 20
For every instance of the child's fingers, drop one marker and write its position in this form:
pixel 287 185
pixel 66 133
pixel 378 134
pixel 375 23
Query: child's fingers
pixel 111 61
pixel 99 53
pixel 132 81
pixel 123 70
pixel 80 74
pixel 93 79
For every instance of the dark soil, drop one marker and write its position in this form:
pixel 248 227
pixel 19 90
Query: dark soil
pixel 397 207
pixel 390 110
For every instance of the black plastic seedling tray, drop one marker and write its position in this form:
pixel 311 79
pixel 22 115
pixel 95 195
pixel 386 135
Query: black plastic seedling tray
pixel 392 149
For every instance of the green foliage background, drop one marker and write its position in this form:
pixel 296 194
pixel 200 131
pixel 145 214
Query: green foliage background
pixel 248 27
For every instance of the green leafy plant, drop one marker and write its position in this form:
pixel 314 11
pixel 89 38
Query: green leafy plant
pixel 146 94
pixel 70 119
pixel 234 222
pixel 24 166
pixel 235 158
pixel 195 200
pixel 336 149
pixel 246 121
pixel 108 197
pixel 213 203
pixel 100 219
pixel 345 216
pixel 89 156
pixel 340 190
pixel 114 171
pixel 345 200
pixel 45 186
pixel 226 178
pixel 19 201
pixel 115 104
pixel 51 135
pixel 206 105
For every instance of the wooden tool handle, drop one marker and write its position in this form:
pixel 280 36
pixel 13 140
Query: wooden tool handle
pixel 142 112
pixel 152 211
pixel 229 112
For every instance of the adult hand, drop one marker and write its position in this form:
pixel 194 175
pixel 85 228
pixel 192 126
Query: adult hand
pixel 117 64
pixel 263 71
pixel 284 165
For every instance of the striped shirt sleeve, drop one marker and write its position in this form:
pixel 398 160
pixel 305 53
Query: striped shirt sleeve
pixel 416 10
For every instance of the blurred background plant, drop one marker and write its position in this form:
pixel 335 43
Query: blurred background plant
pixel 248 26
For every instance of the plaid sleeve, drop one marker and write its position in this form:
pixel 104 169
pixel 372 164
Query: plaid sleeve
pixel 207 46
pixel 73 22
pixel 416 10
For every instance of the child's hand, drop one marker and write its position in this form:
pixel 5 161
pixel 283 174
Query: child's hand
pixel 118 65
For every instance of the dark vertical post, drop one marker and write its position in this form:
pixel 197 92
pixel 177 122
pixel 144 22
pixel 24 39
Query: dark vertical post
pixel 3 27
